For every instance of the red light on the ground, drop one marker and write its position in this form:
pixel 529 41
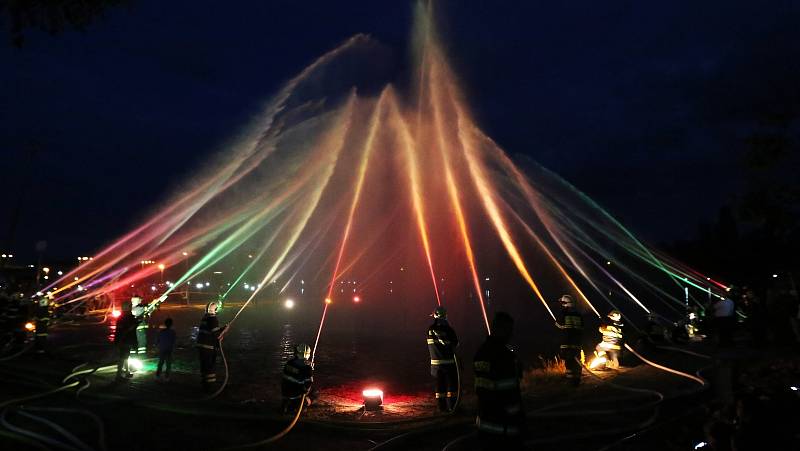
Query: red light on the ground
pixel 373 398
pixel 116 313
pixel 356 299
pixel 328 300
pixel 29 326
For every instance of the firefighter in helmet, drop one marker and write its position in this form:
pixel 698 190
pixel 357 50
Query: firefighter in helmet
pixel 442 342
pixel 207 345
pixel 138 311
pixel 297 379
pixel 572 325
pixel 42 323
pixel 500 418
pixel 609 349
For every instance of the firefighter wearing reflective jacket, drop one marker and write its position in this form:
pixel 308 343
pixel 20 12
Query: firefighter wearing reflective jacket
pixel 500 418
pixel 42 323
pixel 611 345
pixel 572 325
pixel 138 310
pixel 442 342
pixel 297 378
pixel 207 345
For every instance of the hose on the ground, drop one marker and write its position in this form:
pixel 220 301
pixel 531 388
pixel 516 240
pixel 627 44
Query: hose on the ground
pixel 34 435
pixel 39 395
pixel 697 379
pixel 101 434
pixel 277 436
pixel 685 351
pixel 419 430
pixel 56 427
pixel 458 440
pixel 19 353
pixel 24 439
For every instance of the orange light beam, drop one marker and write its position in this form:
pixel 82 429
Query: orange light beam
pixel 452 189
pixel 362 171
pixel 480 179
pixel 556 263
pixel 413 175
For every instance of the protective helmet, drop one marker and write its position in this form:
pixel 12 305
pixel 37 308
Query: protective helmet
pixel 43 301
pixel 211 308
pixel 302 351
pixel 614 315
pixel 566 301
pixel 440 312
pixel 136 300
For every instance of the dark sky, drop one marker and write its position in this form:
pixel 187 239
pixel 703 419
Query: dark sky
pixel 642 105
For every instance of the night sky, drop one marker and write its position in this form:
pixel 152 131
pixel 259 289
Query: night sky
pixel 643 106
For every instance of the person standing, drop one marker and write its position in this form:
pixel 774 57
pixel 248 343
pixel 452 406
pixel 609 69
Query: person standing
pixel 125 340
pixel 572 325
pixel 207 345
pixel 166 344
pixel 501 418
pixel 138 310
pixel 442 342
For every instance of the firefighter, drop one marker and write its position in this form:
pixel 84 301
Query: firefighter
pixel 500 418
pixel 42 323
pixel 609 349
pixel 572 325
pixel 442 342
pixel 125 340
pixel 138 310
pixel 207 344
pixel 297 379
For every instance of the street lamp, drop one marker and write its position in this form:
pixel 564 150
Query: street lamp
pixel 161 267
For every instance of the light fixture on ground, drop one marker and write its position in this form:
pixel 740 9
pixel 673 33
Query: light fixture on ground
pixel 134 364
pixel 373 399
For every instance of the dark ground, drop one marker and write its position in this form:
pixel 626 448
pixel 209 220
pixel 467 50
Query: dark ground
pixel 144 414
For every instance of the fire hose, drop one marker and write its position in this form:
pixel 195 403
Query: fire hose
pixel 277 436
pixel 24 349
pixel 697 379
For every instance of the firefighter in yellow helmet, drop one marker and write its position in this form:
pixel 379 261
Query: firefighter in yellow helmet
pixel 572 325
pixel 609 349
pixel 297 379
pixel 442 342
